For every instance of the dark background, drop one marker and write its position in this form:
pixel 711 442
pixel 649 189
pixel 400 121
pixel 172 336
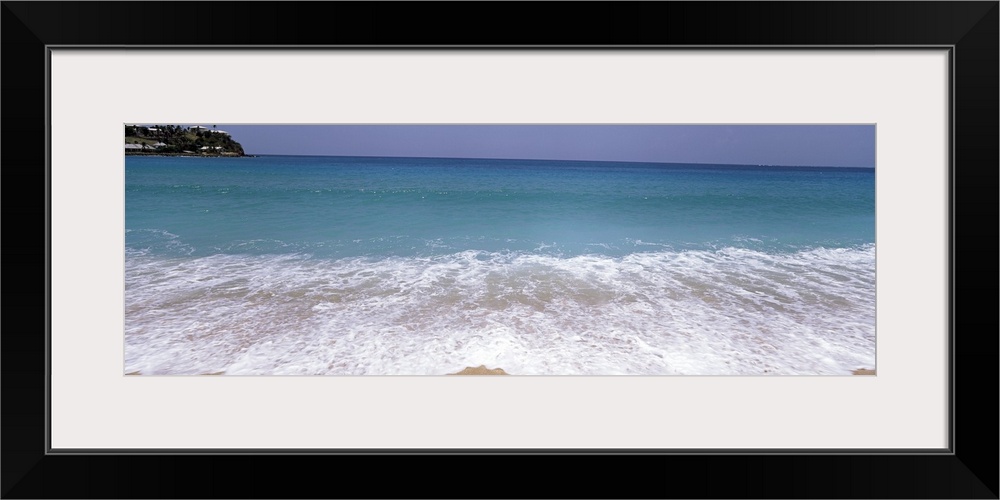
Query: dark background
pixel 28 471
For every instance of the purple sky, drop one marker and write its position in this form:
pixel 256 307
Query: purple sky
pixel 812 145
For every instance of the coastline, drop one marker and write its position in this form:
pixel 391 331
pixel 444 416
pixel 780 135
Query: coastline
pixel 187 155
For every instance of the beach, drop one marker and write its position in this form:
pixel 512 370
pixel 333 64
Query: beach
pixel 368 266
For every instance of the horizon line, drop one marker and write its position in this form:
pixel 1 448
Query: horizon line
pixel 567 160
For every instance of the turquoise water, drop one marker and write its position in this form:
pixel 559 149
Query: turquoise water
pixel 335 265
pixel 338 207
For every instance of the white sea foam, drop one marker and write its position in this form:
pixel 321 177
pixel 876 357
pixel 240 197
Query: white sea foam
pixel 726 312
pixel 148 239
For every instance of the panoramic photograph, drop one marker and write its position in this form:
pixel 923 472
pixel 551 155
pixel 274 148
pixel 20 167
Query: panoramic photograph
pixel 541 250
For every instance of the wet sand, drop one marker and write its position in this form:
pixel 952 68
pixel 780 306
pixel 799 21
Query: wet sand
pixel 480 370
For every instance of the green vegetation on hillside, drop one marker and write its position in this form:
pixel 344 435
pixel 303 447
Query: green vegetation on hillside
pixel 177 140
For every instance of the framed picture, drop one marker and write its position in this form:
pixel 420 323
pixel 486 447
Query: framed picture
pixel 919 79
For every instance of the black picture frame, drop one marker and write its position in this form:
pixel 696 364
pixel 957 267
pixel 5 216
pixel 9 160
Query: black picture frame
pixel 969 470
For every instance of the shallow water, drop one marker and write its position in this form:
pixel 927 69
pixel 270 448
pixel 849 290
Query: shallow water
pixel 361 266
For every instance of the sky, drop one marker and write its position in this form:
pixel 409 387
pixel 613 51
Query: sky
pixel 800 145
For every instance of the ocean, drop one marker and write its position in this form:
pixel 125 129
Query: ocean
pixel 308 265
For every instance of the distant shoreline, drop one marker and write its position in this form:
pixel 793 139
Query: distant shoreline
pixel 190 155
